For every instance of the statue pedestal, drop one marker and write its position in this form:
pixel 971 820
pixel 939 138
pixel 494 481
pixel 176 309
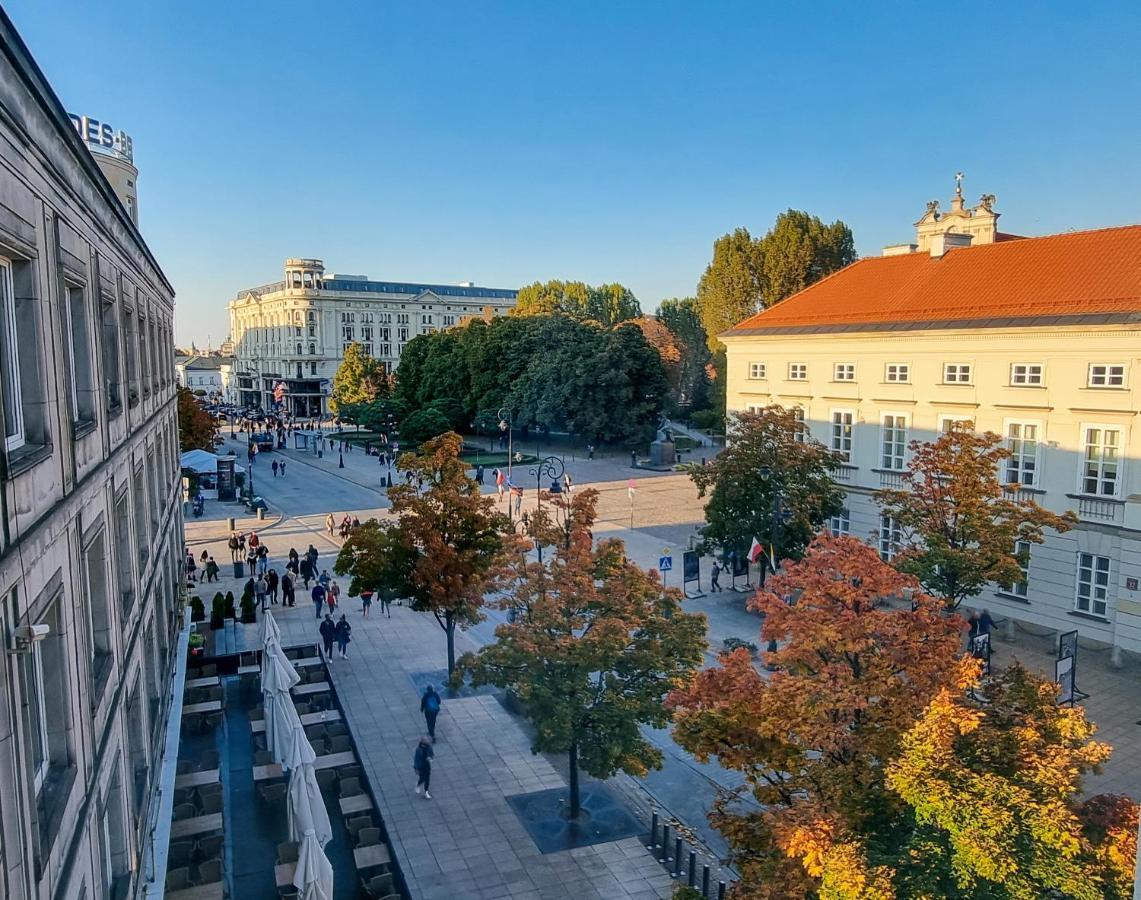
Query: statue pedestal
pixel 663 454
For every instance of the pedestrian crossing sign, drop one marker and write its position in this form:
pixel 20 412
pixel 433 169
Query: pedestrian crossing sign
pixel 665 563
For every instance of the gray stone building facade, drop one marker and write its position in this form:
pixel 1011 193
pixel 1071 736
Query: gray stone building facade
pixel 90 509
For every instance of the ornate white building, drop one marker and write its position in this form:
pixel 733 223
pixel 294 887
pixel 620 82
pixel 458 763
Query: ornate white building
pixel 296 331
pixel 1035 339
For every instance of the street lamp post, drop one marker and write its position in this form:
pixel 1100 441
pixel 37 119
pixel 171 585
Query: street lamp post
pixel 549 467
pixel 506 422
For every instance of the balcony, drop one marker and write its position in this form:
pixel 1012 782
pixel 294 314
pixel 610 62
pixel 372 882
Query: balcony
pixel 1107 510
pixel 844 472
pixel 891 478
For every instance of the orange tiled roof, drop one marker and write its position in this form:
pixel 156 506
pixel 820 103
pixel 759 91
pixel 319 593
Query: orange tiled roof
pixel 1086 273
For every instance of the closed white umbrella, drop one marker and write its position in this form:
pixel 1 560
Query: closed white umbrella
pixel 296 749
pixel 268 629
pixel 306 806
pixel 313 876
pixel 277 677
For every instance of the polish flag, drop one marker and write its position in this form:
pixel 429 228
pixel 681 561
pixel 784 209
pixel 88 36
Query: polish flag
pixel 755 550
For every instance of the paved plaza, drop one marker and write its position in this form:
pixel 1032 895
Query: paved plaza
pixel 466 841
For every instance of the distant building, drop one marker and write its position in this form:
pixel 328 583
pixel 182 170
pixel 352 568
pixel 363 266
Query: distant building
pixel 296 331
pixel 209 373
pixel 1036 339
pixel 91 536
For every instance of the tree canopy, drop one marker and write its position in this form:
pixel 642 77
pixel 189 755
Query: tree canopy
pixel 695 371
pixel 552 371
pixel 359 379
pixel 195 426
pixel 595 646
pixel 741 497
pixel 961 530
pixel 606 305
pixel 748 274
pixel 444 546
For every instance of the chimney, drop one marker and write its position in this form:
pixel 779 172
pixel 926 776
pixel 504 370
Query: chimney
pixel 899 249
pixel 945 242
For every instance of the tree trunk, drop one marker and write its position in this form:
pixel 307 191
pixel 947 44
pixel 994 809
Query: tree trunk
pixel 450 631
pixel 575 805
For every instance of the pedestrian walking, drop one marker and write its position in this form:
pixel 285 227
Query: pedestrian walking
pixel 191 566
pixel 205 556
pixel 366 602
pixel 235 548
pixel 325 579
pixel 242 544
pixel 318 596
pixel 288 597
pixel 281 468
pixel 422 763
pixel 344 632
pixel 518 502
pixel 271 583
pixel 568 485
pixel 260 590
pixel 385 602
pixel 333 596
pixel 306 572
pixel 714 584
pixel 274 468
pixel 590 451
pixel 263 560
pixel 328 630
pixel 479 475
pixel 330 524
pixel 312 554
pixel 291 566
pixel 499 479
pixel 430 707
pixel 211 569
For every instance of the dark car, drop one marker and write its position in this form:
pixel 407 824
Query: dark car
pixel 264 441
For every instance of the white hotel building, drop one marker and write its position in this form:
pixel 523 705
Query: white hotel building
pixel 296 331
pixel 1036 339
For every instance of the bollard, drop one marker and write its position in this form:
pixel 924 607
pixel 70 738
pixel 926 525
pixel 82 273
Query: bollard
pixel 665 857
pixel 677 858
pixel 692 868
pixel 721 890
pixel 705 881
pixel 261 513
pixel 230 524
pixel 653 818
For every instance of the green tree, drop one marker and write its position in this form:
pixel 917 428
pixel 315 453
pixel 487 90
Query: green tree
pixel 747 274
pixel 770 455
pixel 694 376
pixel 596 645
pixel 799 250
pixel 196 427
pixel 375 416
pixel 607 304
pixel 732 288
pixel 422 426
pixel 359 379
pixel 444 548
pixel 960 528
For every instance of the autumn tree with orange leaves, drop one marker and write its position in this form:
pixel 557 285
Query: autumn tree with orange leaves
pixel 877 775
pixel 444 548
pixel 595 646
pixel 960 525
pixel 851 678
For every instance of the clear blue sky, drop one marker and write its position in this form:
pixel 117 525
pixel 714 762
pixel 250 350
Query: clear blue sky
pixel 508 142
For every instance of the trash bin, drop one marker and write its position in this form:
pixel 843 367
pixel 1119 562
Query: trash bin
pixel 230 524
pixel 239 569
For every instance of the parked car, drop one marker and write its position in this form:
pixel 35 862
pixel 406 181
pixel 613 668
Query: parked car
pixel 263 440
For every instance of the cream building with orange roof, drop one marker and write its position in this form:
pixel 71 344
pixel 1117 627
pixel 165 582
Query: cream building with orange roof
pixel 1036 339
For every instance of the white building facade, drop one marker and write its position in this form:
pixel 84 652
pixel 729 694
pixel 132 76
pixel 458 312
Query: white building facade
pixel 296 331
pixel 1035 339
pixel 90 513
pixel 211 374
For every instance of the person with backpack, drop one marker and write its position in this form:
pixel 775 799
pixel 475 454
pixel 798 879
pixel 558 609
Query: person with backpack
pixel 422 764
pixel 234 548
pixel 343 632
pixel 211 569
pixel 328 632
pixel 430 707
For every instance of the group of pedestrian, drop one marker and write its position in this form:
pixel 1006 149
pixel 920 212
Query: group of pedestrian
pixel 430 703
pixel 325 592
pixel 338 631
pixel 278 468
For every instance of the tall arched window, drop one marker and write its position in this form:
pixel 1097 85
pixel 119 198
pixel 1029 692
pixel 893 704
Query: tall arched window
pixel 298 349
pixel 312 349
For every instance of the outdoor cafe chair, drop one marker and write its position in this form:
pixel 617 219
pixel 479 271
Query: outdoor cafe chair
pixel 340 744
pixel 368 837
pixel 209 871
pixel 287 852
pixel 210 803
pixel 184 811
pixel 273 792
pixel 351 787
pixel 208 847
pixel 177 879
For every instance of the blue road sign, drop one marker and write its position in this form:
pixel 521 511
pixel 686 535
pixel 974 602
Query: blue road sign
pixel 665 563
